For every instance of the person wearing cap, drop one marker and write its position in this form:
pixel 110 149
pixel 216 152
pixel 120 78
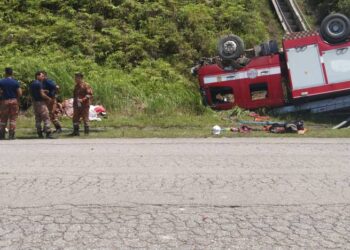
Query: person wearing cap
pixel 82 96
pixel 40 100
pixel 51 89
pixel 10 92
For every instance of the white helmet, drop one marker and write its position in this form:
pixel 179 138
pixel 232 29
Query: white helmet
pixel 216 130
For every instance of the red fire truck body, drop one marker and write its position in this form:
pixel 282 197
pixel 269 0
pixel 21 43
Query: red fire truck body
pixel 261 71
pixel 307 69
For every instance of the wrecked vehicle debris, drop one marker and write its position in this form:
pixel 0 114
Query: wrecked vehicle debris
pixel 311 72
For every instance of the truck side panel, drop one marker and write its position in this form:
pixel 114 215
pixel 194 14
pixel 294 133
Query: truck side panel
pixel 256 85
pixel 316 68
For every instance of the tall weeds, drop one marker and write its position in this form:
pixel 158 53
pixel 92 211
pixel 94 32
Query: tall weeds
pixel 154 87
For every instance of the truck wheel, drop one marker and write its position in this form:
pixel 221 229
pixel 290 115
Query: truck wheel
pixel 335 28
pixel 230 47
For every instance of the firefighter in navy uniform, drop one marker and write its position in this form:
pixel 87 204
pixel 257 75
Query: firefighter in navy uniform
pixel 51 89
pixel 40 100
pixel 10 92
pixel 82 98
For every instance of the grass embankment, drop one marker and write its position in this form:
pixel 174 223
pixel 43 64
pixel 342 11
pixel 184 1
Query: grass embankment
pixel 308 14
pixel 136 54
pixel 315 11
pixel 190 126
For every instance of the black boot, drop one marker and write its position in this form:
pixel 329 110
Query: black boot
pixel 75 131
pixel 58 129
pixel 49 135
pixel 12 135
pixel 40 133
pixel 86 130
pixel 2 134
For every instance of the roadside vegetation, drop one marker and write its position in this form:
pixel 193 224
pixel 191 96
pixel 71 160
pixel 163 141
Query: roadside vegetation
pixel 180 125
pixel 320 8
pixel 136 55
pixel 316 10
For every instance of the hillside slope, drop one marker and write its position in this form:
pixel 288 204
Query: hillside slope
pixel 320 9
pixel 135 54
pixel 316 10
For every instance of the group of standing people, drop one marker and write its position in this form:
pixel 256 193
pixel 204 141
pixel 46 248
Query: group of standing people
pixel 43 92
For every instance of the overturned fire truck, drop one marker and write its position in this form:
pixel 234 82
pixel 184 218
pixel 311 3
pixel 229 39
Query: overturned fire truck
pixel 311 72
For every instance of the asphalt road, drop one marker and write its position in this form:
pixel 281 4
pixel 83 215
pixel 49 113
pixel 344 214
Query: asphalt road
pixel 175 193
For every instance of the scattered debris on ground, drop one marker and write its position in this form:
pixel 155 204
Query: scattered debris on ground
pixel 95 112
pixel 263 123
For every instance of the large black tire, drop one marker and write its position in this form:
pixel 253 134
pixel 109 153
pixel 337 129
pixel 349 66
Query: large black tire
pixel 230 47
pixel 335 28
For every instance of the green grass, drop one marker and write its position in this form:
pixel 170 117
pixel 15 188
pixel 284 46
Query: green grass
pixel 189 126
pixel 136 55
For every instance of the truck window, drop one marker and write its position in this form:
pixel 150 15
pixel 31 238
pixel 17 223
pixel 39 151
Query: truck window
pixel 222 95
pixel 258 91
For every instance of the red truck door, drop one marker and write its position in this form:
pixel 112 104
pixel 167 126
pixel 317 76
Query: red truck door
pixel 262 86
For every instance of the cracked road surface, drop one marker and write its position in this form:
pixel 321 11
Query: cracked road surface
pixel 246 193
